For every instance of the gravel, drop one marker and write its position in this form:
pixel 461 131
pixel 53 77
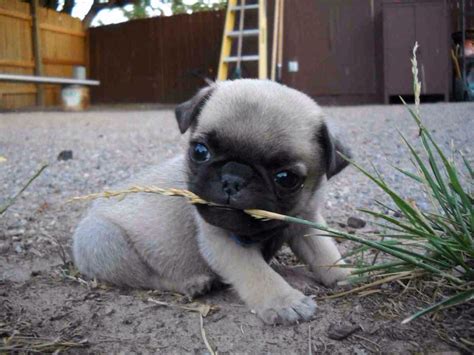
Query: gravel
pixel 108 146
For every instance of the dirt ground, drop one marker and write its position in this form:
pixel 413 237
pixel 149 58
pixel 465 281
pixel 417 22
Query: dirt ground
pixel 44 307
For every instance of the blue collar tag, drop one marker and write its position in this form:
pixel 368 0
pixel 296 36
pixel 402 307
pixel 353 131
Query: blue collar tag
pixel 242 241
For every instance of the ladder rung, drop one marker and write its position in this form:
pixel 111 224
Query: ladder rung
pixel 246 7
pixel 244 58
pixel 244 33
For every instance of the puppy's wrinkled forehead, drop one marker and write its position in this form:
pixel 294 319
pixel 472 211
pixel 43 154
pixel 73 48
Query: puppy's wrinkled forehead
pixel 262 117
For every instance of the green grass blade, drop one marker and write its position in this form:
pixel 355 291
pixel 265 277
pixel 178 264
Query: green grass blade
pixel 394 221
pixel 453 176
pixel 468 166
pixel 409 174
pixel 419 256
pixel 12 200
pixel 356 251
pixel 384 205
pixel 438 190
pixel 412 214
pixel 459 298
pixel 377 267
pixel 375 245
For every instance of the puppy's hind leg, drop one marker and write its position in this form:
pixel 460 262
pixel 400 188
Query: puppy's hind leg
pixel 103 250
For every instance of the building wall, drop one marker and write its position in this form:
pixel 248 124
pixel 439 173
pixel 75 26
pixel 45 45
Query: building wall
pixel 334 43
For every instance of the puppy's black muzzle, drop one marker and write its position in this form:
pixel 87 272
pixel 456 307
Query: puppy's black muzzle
pixel 234 177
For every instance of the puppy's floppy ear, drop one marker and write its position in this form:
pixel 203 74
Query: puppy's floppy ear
pixel 187 112
pixel 331 146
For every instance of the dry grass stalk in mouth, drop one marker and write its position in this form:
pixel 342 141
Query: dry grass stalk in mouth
pixel 190 196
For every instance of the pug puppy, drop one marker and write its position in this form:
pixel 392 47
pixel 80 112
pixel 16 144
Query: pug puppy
pixel 252 144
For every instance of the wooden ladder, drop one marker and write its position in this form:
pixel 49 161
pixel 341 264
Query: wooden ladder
pixel 230 34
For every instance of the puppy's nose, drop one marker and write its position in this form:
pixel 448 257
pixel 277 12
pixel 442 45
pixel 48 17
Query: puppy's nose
pixel 232 184
pixel 234 177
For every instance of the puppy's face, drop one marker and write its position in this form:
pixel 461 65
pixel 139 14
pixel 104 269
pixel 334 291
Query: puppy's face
pixel 255 144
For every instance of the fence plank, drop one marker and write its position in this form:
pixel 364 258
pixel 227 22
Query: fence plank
pixel 37 50
pixel 15 14
pixel 17 63
pixel 58 29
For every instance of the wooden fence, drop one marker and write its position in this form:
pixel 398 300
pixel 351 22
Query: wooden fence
pixel 63 44
pixel 153 60
pixel 159 59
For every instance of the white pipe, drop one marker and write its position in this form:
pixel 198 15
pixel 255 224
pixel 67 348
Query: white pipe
pixel 46 80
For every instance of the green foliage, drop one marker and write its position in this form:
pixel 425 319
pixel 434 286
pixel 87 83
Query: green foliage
pixel 178 6
pixel 138 10
pixel 141 9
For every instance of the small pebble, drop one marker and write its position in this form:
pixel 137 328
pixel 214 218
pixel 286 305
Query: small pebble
pixel 14 232
pixel 109 310
pixel 127 321
pixel 342 331
pixel 355 222
pixel 65 155
pixel 4 247
pixel 397 214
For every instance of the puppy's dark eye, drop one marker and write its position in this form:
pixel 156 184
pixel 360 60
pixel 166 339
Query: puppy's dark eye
pixel 287 179
pixel 200 153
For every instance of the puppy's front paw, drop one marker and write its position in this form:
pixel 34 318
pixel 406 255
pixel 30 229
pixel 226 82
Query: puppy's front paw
pixel 287 309
pixel 329 277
